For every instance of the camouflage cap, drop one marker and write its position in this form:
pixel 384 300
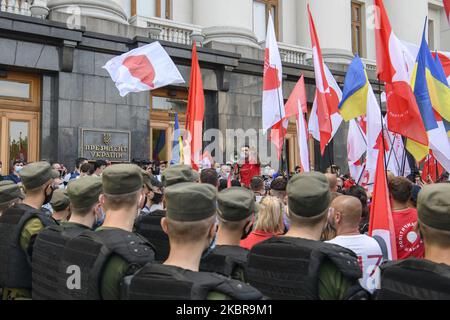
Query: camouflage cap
pixel 9 192
pixel 60 200
pixel 308 194
pixel 189 201
pixel 84 192
pixel 122 179
pixel 177 174
pixel 236 204
pixel 433 205
pixel 35 175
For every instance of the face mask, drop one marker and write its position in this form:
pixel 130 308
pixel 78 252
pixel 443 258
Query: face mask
pixel 242 155
pixel 218 171
pixel 99 221
pixel 258 199
pixel 18 168
pixel 48 197
pixel 144 203
pixel 211 247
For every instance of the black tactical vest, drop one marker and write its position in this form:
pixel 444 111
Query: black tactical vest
pixel 149 226
pixel 414 279
pixel 160 282
pixel 285 268
pixel 90 252
pixel 15 264
pixel 225 260
pixel 46 265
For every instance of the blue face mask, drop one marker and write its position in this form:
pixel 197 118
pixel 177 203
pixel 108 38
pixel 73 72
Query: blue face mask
pixel 99 222
pixel 18 168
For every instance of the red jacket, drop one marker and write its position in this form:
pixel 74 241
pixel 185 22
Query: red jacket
pixel 248 171
pixel 254 238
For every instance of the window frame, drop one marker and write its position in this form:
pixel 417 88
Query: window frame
pixel 167 15
pixel 357 24
pixel 269 5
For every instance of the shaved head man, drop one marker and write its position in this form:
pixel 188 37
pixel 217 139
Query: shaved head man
pixel 332 181
pixel 345 216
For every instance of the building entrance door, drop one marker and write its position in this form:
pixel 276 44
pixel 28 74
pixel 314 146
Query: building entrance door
pixel 19 119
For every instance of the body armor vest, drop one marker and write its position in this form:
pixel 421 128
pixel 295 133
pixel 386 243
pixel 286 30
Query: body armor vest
pixel 160 282
pixel 225 260
pixel 149 227
pixel 90 253
pixel 46 265
pixel 414 279
pixel 15 264
pixel 288 268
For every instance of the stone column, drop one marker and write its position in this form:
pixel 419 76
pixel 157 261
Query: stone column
pixel 228 21
pixel 407 18
pixel 102 9
pixel 333 25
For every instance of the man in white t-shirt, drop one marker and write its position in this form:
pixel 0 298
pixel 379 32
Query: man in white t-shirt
pixel 346 212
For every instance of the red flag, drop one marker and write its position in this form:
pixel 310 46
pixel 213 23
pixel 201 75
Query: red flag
pixel 447 10
pixel 402 110
pixel 327 99
pixel 195 111
pixel 432 168
pixel 381 222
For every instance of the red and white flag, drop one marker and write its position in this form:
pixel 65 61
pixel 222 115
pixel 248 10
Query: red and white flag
pixel 143 69
pixel 403 113
pixel 325 119
pixel 381 221
pixel 297 106
pixel 356 147
pixel 447 10
pixel 272 102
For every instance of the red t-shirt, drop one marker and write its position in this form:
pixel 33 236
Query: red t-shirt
pixel 409 243
pixel 248 171
pixel 254 238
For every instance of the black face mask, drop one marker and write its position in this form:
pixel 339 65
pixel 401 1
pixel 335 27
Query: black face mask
pixel 157 197
pixel 246 232
pixel 48 197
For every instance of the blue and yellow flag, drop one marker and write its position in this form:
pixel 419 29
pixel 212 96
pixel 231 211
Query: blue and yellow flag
pixel 428 91
pixel 443 78
pixel 356 88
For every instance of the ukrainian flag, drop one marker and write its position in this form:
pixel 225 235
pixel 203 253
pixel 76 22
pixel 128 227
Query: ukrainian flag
pixel 430 92
pixel 443 78
pixel 356 88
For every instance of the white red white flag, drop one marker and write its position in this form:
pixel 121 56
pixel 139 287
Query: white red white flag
pixel 143 69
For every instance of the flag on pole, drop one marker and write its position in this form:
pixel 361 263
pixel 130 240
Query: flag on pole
pixel 442 77
pixel 325 118
pixel 177 145
pixel 381 222
pixel 297 105
pixel 356 88
pixel 195 114
pixel 142 69
pixel 402 110
pixel 273 103
pixel 432 169
pixel 396 154
pixel 356 147
pixel 429 92
pixel 447 10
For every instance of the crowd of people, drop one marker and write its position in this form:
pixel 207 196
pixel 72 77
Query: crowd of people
pixel 151 230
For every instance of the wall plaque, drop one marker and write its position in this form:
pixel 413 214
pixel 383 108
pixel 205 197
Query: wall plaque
pixel 111 145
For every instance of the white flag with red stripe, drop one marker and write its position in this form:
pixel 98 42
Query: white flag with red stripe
pixel 143 69
pixel 272 102
pixel 325 118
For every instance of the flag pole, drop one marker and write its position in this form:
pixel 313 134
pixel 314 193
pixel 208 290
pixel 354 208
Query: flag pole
pixel 280 171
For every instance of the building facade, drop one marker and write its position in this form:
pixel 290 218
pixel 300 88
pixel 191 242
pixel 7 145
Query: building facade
pixel 58 103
